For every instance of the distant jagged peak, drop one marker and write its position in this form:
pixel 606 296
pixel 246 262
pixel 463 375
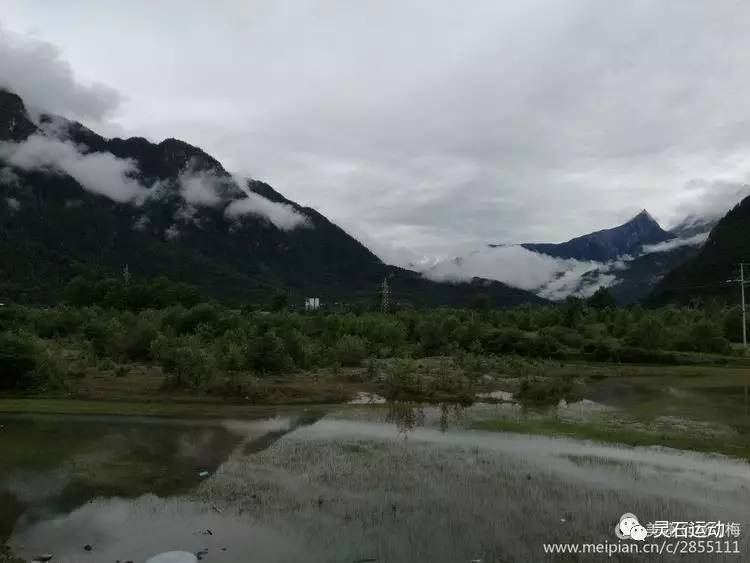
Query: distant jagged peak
pixel 608 244
pixel 644 214
pixel 644 218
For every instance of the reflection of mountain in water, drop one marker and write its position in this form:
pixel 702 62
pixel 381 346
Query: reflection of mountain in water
pixel 82 458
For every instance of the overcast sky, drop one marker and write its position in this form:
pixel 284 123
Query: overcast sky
pixel 428 125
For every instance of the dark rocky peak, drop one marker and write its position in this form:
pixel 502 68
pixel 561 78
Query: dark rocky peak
pixel 15 124
pixel 644 222
pixel 165 160
pixel 608 244
pixel 644 216
pixel 176 155
pixel 66 129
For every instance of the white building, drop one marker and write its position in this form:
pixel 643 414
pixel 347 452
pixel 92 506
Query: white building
pixel 312 304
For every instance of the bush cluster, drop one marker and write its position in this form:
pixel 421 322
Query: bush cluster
pixel 205 346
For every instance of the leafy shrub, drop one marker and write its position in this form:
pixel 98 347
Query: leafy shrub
pixel 546 390
pixel 602 350
pixel 351 350
pixel 564 335
pixel 403 381
pixel 136 338
pixel 98 333
pixel 430 336
pixel 707 336
pixel 61 321
pixel 451 384
pixel 646 333
pixel 17 361
pixel 304 351
pixel 503 340
pixel 268 354
pixel 545 346
pixel 49 372
pixel 240 384
pixel 635 355
pixel 12 317
pixel 205 314
pixel 231 351
pixel 733 325
pixel 187 361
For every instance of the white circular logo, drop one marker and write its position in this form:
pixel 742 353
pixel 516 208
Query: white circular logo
pixel 629 527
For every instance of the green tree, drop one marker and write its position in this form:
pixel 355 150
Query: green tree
pixel 647 333
pixel 707 336
pixel 733 325
pixel 480 302
pixel 279 302
pixel 601 299
pixel 572 312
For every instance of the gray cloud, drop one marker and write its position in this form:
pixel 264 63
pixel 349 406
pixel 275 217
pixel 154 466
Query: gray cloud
pixel 504 122
pixel 513 265
pixel 695 240
pixel 99 173
pixel 35 70
pixel 205 188
pixel 105 174
pixel 283 216
pixel 547 276
pixel 199 188
pixel 705 199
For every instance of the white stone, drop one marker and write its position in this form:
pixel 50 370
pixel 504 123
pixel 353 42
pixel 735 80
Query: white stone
pixel 174 557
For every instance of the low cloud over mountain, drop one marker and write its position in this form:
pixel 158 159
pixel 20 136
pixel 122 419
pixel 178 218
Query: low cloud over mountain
pixel 556 277
pixel 120 179
pixel 100 173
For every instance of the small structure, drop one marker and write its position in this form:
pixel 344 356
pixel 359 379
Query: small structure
pixel 312 303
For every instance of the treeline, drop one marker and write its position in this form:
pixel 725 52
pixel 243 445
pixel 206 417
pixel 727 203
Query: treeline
pixel 131 295
pixel 203 346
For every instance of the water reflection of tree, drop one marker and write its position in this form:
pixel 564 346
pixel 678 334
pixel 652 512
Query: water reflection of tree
pixel 406 416
pixel 451 414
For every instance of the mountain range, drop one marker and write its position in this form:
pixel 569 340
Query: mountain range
pixel 628 259
pixel 713 272
pixel 73 202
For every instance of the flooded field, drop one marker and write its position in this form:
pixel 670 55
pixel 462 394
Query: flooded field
pixel 362 483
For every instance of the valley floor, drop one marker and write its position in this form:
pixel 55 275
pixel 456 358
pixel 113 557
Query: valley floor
pixel 694 407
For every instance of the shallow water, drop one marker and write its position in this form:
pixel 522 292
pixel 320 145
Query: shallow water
pixel 356 484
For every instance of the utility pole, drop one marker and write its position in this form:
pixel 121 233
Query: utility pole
pixel 742 293
pixel 744 323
